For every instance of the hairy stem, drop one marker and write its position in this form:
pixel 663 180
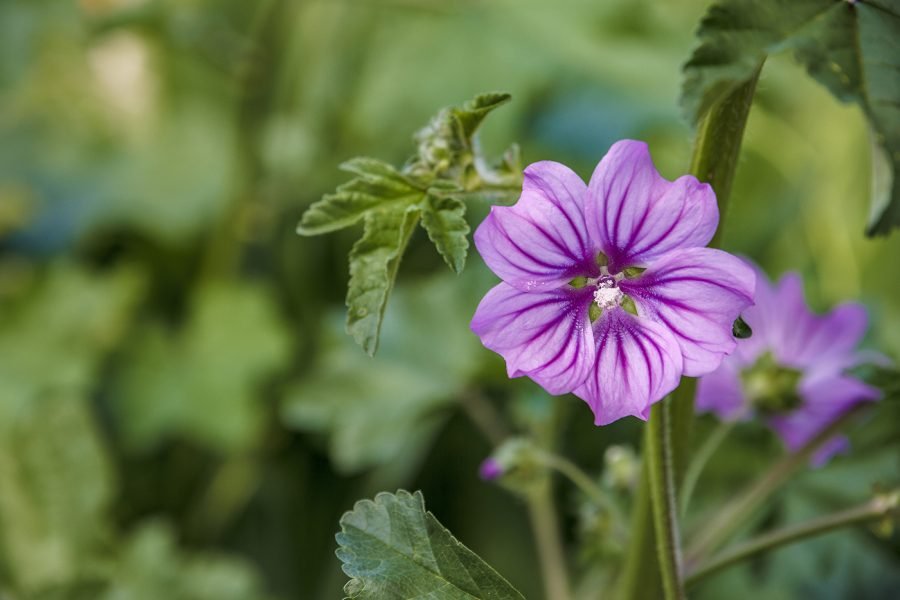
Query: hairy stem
pixel 716 150
pixel 733 515
pixel 878 508
pixel 658 454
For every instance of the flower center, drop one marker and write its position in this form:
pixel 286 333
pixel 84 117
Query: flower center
pixel 607 295
pixel 770 387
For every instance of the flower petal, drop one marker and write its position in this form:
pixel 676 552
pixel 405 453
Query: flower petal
pixel 637 363
pixel 824 401
pixel 635 215
pixel 720 392
pixel 800 338
pixel 544 335
pixel 696 293
pixel 542 241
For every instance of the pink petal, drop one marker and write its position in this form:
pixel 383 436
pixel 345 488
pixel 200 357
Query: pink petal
pixel 823 401
pixel 636 215
pixel 544 335
pixel 541 242
pixel 720 392
pixel 696 293
pixel 637 363
pixel 800 338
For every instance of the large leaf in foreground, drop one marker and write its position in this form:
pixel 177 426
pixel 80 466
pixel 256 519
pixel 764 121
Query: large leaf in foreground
pixel 394 548
pixel 852 48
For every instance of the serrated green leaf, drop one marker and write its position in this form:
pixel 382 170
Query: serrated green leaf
pixel 393 548
pixel 853 49
pixel 374 261
pixel 444 218
pixel 377 186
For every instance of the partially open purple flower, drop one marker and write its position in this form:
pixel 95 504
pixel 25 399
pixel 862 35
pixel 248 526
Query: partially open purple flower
pixel 792 371
pixel 607 289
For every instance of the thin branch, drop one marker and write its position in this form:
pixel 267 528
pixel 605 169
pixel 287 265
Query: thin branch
pixel 878 508
pixel 733 515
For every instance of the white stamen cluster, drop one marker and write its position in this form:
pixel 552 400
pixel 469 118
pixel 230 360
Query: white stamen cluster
pixel 607 295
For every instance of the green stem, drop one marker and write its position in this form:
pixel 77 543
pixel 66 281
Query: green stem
pixel 716 150
pixel 719 529
pixel 699 460
pixel 584 482
pixel 877 508
pixel 658 453
pixel 551 556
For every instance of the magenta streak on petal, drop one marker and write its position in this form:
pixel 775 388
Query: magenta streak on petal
pixel 637 363
pixel 544 334
pixel 696 293
pixel 532 176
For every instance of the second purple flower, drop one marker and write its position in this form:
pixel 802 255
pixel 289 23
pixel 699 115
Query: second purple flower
pixel 607 289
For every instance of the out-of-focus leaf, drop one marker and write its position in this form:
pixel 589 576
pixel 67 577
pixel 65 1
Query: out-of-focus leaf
pixel 54 337
pixel 153 567
pixel 203 382
pixel 374 261
pixel 384 410
pixel 852 48
pixel 444 218
pixel 393 548
pixel 55 488
pixel 377 186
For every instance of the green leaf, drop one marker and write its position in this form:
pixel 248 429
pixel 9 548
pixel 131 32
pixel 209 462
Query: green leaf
pixel 384 412
pixel 393 548
pixel 374 261
pixel 171 384
pixel 150 565
pixel 377 186
pixel 444 218
pixel 56 486
pixel 473 112
pixel 853 49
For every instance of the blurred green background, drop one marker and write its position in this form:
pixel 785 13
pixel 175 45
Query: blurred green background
pixel 181 414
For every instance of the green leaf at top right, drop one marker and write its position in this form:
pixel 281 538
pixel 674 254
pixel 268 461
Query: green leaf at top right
pixel 850 47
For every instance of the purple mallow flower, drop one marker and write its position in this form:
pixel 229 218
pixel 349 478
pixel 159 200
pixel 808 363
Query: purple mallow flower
pixel 607 289
pixel 792 371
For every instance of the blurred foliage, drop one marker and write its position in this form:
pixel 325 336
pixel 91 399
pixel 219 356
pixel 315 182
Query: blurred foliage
pixel 181 414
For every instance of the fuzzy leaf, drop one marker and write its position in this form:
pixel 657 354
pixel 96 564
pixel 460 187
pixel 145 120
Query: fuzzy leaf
pixel 377 185
pixel 374 261
pixel 444 218
pixel 393 548
pixel 853 49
